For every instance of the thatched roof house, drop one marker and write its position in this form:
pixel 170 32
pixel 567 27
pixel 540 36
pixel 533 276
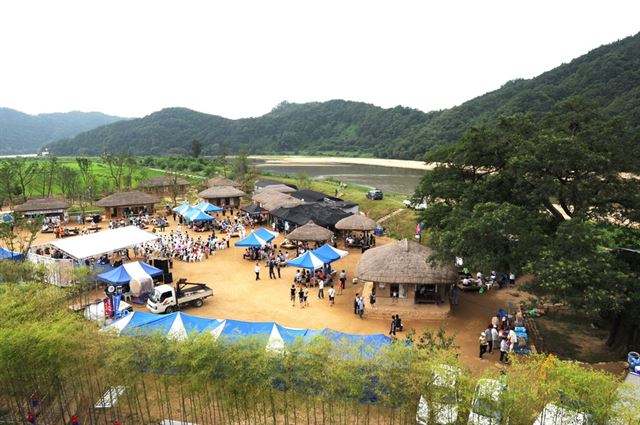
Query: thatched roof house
pixel 162 185
pixel 48 207
pixel 223 181
pixel 122 204
pixel 310 232
pixel 222 196
pixel 356 222
pixel 272 199
pixel 403 268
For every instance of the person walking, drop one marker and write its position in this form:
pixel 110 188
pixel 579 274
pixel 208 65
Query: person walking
pixel 293 295
pixel 343 280
pixel 256 269
pixel 355 304
pixel 504 349
pixel 361 307
pixel 321 289
pixel 306 296
pixel 483 344
pixel 392 331
pixel 301 297
pixel 332 295
pixel 272 265
pixel 278 266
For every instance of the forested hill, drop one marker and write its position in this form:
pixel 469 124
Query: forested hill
pixel 609 75
pixel 23 133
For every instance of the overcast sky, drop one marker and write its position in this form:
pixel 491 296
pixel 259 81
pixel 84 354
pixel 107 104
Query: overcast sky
pixel 240 58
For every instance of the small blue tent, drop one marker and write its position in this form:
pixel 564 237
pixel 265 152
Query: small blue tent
pixel 330 253
pixel 123 274
pixel 265 234
pixel 197 215
pixel 252 240
pixel 5 254
pixel 308 260
pixel 181 209
pixel 207 207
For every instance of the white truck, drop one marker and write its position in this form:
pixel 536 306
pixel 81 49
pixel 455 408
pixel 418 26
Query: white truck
pixel 167 299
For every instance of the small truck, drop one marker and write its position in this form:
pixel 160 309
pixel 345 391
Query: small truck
pixel 167 299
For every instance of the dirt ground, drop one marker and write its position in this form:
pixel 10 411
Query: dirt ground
pixel 238 296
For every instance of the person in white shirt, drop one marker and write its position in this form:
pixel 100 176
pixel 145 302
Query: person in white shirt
pixel 257 270
pixel 320 289
pixel 332 295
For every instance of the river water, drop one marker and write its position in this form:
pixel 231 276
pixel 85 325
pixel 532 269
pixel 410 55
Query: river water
pixel 388 179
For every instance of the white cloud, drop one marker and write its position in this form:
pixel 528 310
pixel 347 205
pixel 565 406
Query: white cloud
pixel 240 58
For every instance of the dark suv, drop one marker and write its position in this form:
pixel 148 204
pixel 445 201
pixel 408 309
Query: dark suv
pixel 375 194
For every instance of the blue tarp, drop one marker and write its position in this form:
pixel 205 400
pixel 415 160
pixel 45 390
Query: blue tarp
pixel 251 240
pixel 5 254
pixel 207 207
pixel 120 275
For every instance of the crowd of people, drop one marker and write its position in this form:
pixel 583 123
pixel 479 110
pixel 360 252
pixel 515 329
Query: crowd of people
pixel 500 280
pixel 322 278
pixel 182 246
pixel 500 335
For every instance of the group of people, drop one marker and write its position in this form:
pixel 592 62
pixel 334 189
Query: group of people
pixel 363 240
pixel 494 279
pixel 498 336
pixel 396 324
pixel 321 278
pixel 181 246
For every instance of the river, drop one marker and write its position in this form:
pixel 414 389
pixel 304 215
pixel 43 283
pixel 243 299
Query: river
pixel 402 177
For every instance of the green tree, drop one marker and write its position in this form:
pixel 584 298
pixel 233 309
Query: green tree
pixel 196 148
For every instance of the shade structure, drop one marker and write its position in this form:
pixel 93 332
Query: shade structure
pixel 265 234
pixel 182 208
pixel 356 222
pixel 207 207
pixel 403 262
pixel 308 260
pixel 330 253
pixel 126 272
pixel 274 336
pixel 5 254
pixel 253 209
pixel 197 215
pixel 85 246
pixel 252 240
pixel 310 232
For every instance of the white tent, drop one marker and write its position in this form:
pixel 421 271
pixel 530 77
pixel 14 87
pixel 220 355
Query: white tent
pixel 85 246
pixel 556 415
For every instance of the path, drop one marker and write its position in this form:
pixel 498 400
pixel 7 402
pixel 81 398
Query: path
pixel 178 173
pixel 388 216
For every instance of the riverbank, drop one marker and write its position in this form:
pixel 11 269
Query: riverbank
pixel 319 161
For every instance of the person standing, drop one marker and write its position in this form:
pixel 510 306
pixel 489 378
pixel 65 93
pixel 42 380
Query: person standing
pixel 293 295
pixel 272 265
pixel 392 331
pixel 453 295
pixel 489 338
pixel 355 304
pixel 343 280
pixel 332 295
pixel 321 289
pixel 306 296
pixel 361 307
pixel 495 337
pixel 372 298
pixel 512 278
pixel 483 344
pixel 256 269
pixel 278 265
pixel 301 297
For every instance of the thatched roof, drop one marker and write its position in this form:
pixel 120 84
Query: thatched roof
pixel 272 199
pixel 310 232
pixel 221 192
pixel 163 181
pixel 282 188
pixel 356 222
pixel 127 199
pixel 222 181
pixel 42 204
pixel 402 262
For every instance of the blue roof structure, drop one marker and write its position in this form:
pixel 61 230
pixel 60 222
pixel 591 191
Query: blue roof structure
pixel 308 260
pixel 181 209
pixel 275 337
pixel 330 253
pixel 207 207
pixel 266 235
pixel 123 274
pixel 195 214
pixel 5 254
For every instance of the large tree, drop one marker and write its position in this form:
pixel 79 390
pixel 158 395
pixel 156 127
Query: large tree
pixel 515 195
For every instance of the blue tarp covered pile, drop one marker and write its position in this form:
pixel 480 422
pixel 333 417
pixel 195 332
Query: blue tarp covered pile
pixel 276 337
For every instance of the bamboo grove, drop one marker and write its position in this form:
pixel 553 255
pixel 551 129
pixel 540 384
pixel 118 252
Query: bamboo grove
pixel 49 354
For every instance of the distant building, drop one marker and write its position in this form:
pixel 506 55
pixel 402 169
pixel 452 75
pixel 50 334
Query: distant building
pixel 222 196
pixel 46 207
pixel 124 204
pixel 264 183
pixel 223 181
pixel 163 185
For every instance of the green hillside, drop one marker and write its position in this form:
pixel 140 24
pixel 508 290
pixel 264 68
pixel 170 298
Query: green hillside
pixel 608 75
pixel 23 133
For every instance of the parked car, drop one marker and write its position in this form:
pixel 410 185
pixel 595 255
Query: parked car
pixel 167 299
pixel 442 409
pixel 486 407
pixel 375 194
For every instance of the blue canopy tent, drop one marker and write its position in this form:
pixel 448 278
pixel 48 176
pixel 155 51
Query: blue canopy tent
pixel 5 254
pixel 308 260
pixel 330 253
pixel 207 207
pixel 177 324
pixel 125 273
pixel 252 240
pixel 266 235
pixel 181 209
pixel 197 215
